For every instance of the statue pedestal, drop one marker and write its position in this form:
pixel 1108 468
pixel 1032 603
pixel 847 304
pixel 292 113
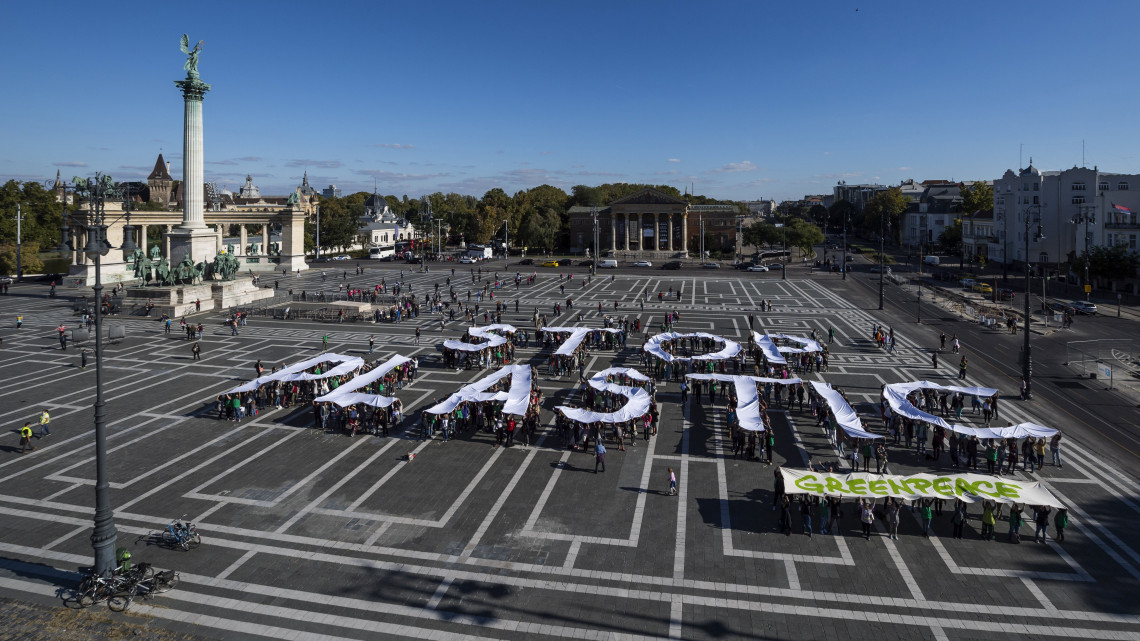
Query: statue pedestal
pixel 175 302
pixel 237 293
pixel 201 244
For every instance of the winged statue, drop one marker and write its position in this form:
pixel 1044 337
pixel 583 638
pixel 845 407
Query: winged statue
pixel 192 54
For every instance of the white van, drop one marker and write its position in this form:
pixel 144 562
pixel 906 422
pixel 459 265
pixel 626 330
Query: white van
pixel 930 260
pixel 607 263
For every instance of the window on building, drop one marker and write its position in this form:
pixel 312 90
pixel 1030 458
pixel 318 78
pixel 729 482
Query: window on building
pixel 1102 185
pixel 1036 186
pixel 1035 200
pixel 1043 257
pixel 1078 200
pixel 1078 186
pixel 1132 241
pixel 1122 186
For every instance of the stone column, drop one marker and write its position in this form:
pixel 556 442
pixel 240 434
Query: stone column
pixel 669 217
pixel 613 232
pixel 685 233
pixel 80 243
pixel 242 251
pixel 265 240
pixel 625 222
pixel 73 238
pixel 656 231
pixel 220 237
pixel 166 243
pixel 192 236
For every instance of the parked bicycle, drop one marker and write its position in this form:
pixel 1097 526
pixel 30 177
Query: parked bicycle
pixel 181 533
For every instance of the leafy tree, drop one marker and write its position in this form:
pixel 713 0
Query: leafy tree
pixel 30 262
pixel 1114 262
pixel 839 211
pixel 758 234
pixel 804 235
pixel 951 238
pixel 977 197
pixel 40 212
pixel 886 207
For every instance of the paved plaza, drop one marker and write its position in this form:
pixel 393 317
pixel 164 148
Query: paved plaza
pixel 313 535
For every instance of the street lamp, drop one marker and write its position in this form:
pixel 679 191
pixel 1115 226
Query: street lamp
pixel 1087 215
pixel 1027 362
pixel 104 536
pixel 594 266
pixel 784 249
pixel 882 259
pixel 506 240
pixel 843 267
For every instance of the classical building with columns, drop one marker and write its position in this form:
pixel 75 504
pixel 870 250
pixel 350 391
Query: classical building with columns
pixel 650 224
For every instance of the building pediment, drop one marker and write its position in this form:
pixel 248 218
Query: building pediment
pixel 648 196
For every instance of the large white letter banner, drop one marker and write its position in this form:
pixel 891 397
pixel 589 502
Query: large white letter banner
pixel 971 488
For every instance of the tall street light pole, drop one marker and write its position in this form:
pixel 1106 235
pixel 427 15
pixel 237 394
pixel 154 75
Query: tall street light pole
pixel 104 536
pixel 843 267
pixel 882 259
pixel 1087 215
pixel 19 268
pixel 1027 362
pixel 784 247
pixel 594 266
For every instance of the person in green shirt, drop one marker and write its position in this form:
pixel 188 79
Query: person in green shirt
pixel 1061 521
pixel 988 520
pixel 925 513
pixel 1015 522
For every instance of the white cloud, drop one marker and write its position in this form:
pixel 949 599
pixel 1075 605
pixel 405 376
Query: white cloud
pixel 70 163
pixel 734 167
pixel 393 145
pixel 672 160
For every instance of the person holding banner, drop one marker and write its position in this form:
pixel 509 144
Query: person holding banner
pixel 1041 519
pixel 866 516
pixel 1015 522
pixel 893 518
pixel 988 520
pixel 960 517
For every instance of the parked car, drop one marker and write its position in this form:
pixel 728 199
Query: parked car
pixel 550 263
pixel 607 263
pixel 467 260
pixel 757 268
pixel 341 257
pixel 1006 294
pixel 526 261
pixel 742 265
pixel 642 263
pixel 5 280
pixel 710 265
pixel 983 288
pixel 1083 307
pixel 875 269
pixel 673 264
pixel 967 283
pixel 775 265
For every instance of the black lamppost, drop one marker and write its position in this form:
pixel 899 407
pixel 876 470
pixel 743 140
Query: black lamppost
pixel 882 258
pixel 1027 363
pixel 104 536
pixel 843 267
pixel 1087 215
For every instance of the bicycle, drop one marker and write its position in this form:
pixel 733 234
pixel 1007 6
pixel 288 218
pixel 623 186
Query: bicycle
pixel 151 584
pixel 184 534
pixel 115 588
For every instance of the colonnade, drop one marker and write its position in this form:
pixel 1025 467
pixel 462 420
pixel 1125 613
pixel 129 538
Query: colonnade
pixel 659 244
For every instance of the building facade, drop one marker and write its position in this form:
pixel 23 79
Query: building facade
pixel 650 224
pixel 1076 209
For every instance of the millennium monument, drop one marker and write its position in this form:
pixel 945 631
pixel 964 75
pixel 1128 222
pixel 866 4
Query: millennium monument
pixel 192 241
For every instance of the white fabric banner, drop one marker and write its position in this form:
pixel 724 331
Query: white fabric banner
pixel 845 416
pixel 805 344
pixel 771 352
pixel 345 396
pixel 747 396
pixel 653 346
pixel 515 400
pixel 489 333
pixel 895 394
pixel 577 335
pixel 636 406
pixel 296 372
pixel 1021 430
pixel 971 488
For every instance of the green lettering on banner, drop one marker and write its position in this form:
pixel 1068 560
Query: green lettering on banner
pixel 834 486
pixel 1008 490
pixel 980 492
pixel 962 487
pixel 807 483
pixel 877 486
pixel 920 485
pixel 856 486
pixel 898 487
pixel 942 486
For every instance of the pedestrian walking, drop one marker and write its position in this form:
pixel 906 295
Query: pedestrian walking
pixel 372 343
pixel 19 321
pixel 83 359
pixel 941 341
pixel 672 483
pixel 45 421
pixel 599 456
pixel 962 369
pixel 196 350
pixel 26 438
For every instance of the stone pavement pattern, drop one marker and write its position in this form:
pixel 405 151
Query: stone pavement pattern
pixel 313 535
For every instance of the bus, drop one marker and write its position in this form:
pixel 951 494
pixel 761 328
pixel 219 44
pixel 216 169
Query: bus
pixel 382 252
pixel 480 251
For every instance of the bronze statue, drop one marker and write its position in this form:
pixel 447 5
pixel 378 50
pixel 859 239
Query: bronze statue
pixel 191 65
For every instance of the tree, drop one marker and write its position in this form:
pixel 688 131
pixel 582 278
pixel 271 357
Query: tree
pixel 758 234
pixel 951 238
pixel 41 214
pixel 30 262
pixel 839 212
pixel 884 211
pixel 1113 263
pixel 977 197
pixel 804 235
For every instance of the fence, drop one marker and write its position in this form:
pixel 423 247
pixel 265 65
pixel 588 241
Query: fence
pixel 1110 358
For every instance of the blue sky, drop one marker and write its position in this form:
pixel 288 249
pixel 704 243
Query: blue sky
pixel 743 99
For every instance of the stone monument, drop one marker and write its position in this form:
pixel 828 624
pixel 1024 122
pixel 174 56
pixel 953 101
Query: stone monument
pixel 192 238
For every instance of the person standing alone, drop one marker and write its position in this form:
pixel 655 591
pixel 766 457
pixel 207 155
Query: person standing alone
pixel 45 419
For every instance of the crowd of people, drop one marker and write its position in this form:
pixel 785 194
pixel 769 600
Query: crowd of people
pixel 487 416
